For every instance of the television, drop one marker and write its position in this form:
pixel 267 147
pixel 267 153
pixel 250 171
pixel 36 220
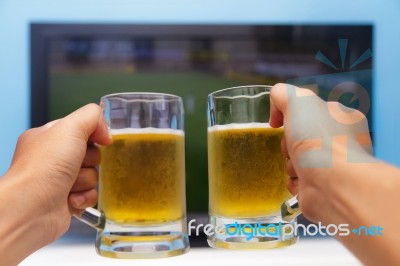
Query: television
pixel 75 64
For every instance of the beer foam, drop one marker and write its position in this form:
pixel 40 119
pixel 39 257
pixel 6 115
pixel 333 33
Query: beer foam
pixel 239 126
pixel 146 130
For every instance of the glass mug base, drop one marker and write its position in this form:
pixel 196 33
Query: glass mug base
pixel 252 233
pixel 142 241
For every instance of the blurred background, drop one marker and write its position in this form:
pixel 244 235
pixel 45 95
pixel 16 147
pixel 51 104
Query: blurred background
pixel 59 55
pixel 74 64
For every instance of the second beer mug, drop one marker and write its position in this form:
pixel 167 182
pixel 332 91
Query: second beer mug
pixel 247 172
pixel 142 211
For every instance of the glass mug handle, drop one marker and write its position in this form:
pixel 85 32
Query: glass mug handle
pixel 290 209
pixel 92 217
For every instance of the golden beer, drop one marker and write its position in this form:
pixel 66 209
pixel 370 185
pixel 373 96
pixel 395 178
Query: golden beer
pixel 247 171
pixel 142 176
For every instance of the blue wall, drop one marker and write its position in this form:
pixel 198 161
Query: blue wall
pixel 15 16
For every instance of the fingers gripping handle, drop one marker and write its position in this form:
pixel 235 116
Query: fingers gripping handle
pixel 290 209
pixel 92 217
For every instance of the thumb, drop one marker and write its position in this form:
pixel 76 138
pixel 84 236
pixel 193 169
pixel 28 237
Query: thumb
pixel 282 100
pixel 278 104
pixel 88 124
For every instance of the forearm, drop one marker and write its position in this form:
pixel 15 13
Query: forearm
pixel 21 225
pixel 366 194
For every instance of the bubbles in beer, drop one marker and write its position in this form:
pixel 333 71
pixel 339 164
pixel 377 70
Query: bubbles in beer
pixel 142 176
pixel 247 170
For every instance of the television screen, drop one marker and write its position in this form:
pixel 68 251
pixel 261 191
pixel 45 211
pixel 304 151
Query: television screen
pixel 74 64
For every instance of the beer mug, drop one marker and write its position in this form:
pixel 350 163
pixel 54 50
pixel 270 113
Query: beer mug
pixel 141 208
pixel 247 172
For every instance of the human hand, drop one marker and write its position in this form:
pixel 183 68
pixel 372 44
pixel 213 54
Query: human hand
pixel 319 138
pixel 54 167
